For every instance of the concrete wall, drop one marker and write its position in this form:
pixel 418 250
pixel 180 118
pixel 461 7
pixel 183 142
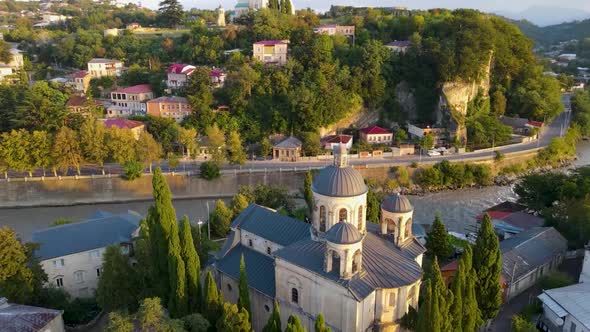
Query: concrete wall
pixel 56 325
pixel 528 280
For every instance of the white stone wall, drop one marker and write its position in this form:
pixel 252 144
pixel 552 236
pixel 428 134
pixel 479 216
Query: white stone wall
pixel 333 206
pixel 258 243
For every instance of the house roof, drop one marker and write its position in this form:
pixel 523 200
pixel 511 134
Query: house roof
pixel 336 139
pixel 271 225
pixel 80 74
pixel 260 270
pixel 24 318
pixel 375 130
pixel 122 123
pixel 399 43
pixel 181 68
pixel 76 101
pixel 93 233
pixel 140 88
pixel 513 122
pixel 537 124
pixel 289 143
pixel 217 73
pixel 169 99
pixel 530 249
pixel 270 42
pixel 573 300
pixel 103 60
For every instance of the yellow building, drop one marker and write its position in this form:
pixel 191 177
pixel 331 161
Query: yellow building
pixel 271 51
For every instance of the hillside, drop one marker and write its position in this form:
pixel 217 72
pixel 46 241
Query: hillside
pixel 553 34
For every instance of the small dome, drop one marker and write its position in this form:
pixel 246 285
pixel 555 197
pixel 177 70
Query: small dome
pixel 339 182
pixel 343 233
pixel 397 204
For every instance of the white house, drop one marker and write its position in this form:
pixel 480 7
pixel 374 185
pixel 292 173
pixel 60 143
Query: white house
pixel 131 100
pixel 8 70
pixel 178 75
pixel 71 254
pixel 99 67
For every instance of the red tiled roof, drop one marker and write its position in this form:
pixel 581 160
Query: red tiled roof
pixel 76 101
pixel 537 124
pixel 140 88
pixel 122 123
pixel 217 73
pixel 180 68
pixel 452 266
pixel 80 74
pixel 337 139
pixel 270 42
pixel 375 130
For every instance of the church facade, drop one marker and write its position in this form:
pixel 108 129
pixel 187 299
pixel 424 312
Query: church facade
pixel 362 276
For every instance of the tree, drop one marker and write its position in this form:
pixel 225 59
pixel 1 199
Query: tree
pixel 487 262
pixel 437 241
pixel 212 304
pixel 220 219
pixel 5 54
pixel 471 315
pixel 233 320
pixel 119 323
pixel 373 206
pixel 320 324
pixel 116 285
pixel 236 156
pixel 171 13
pixel 244 293
pixel 186 137
pixel 286 7
pixel 434 314
pixel 521 324
pixel 192 266
pixel 66 150
pixel 238 203
pixel 458 289
pixel 274 320
pixel 196 323
pixel 15 153
pixel 307 193
pixel 209 170
pixel 151 316
pixel 121 144
pixel 265 146
pixel 294 324
pixel 133 170
pixel 498 103
pixel 93 141
pixel 274 5
pixel 427 142
pixel 42 108
pixel 310 144
pixel 16 279
pixel 216 144
pixel 148 150
pixel 425 313
pixel 39 150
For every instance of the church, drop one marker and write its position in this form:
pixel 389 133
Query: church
pixel 361 275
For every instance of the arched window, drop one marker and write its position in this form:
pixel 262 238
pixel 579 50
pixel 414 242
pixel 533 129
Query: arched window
pixel 294 295
pixel 390 225
pixel 322 218
pixel 408 230
pixel 336 262
pixel 392 299
pixel 360 221
pixel 356 261
pixel 342 214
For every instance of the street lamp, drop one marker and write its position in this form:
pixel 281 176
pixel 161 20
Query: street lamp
pixel 200 223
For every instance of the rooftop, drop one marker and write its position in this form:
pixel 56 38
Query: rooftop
pixel 24 318
pixel 169 99
pixel 122 123
pixel 375 130
pixel 180 68
pixel 397 203
pixel 103 60
pixel 343 233
pixel 336 139
pixel 271 42
pixel 140 88
pixel 337 181
pixel 77 101
pixel 217 72
pixel 260 271
pixel 80 74
pixel 100 230
pixel 399 43
pixel 289 143
pixel 573 300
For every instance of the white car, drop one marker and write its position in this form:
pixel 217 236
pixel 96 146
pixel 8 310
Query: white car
pixel 433 153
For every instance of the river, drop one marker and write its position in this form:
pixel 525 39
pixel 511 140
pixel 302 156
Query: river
pixel 457 208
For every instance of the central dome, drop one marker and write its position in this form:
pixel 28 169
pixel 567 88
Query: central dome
pixel 336 181
pixel 343 233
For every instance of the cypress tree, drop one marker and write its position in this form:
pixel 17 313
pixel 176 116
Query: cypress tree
pixel 286 7
pixel 320 324
pixel 244 294
pixel 437 241
pixel 425 311
pixel 307 193
pixel 211 299
pixel 282 6
pixel 274 321
pixel 177 303
pixel 192 266
pixel 471 314
pixel 458 288
pixel 294 324
pixel 487 262
pixel 442 300
pixel 273 4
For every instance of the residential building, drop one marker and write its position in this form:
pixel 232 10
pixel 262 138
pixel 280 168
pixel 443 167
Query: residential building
pixel 80 81
pixel 376 135
pixel 82 105
pixel 133 26
pixel 398 46
pixel 178 75
pixel 335 29
pixel 217 78
pixel 271 51
pixel 71 254
pixel 567 309
pixel 99 67
pixel 566 57
pixel 25 318
pixel 110 32
pixel 287 150
pixel 130 100
pixel 510 218
pixel 438 133
pixel 360 275
pixel 136 127
pixel 520 126
pixel 9 71
pixel 331 141
pixel 173 107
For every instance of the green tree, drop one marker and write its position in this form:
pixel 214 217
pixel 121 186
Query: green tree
pixel 286 7
pixel 244 293
pixel 237 155
pixel 15 153
pixel 42 108
pixel 320 324
pixel 307 193
pixel 196 323
pixel 521 324
pixel 66 150
pixel 442 300
pixel 458 290
pixel 148 150
pixel 209 170
pixel 471 319
pixel 373 206
pixel 233 319
pixel 265 146
pixel 273 4
pixel 119 323
pixel 5 54
pixel 487 262
pixel 294 324
pixel 116 285
pixel 16 279
pixel 93 141
pixel 498 103
pixel 425 313
pixel 427 142
pixel 133 170
pixel 171 13
pixel 151 316
pixel 39 150
pixel 310 144
pixel 220 219
pixel 437 241
pixel 212 303
pixel 216 144
pixel 187 138
pixel 121 144
pixel 193 266
pixel 274 320
pixel 238 203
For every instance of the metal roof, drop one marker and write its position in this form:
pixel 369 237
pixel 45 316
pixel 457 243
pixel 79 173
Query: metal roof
pixel 343 233
pixel 24 318
pixel 289 143
pixel 530 249
pixel 573 300
pixel 107 229
pixel 260 270
pixel 397 203
pixel 337 181
pixel 271 225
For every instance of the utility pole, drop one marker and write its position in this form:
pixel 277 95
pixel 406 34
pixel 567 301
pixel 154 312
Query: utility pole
pixel 208 223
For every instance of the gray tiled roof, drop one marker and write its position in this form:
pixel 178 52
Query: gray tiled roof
pixel 24 318
pixel 271 225
pixel 289 143
pixel 384 265
pixel 573 300
pixel 260 270
pixel 397 203
pixel 343 233
pixel 337 181
pixel 103 229
pixel 530 249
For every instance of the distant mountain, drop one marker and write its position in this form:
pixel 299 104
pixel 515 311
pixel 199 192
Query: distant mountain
pixel 553 34
pixel 544 16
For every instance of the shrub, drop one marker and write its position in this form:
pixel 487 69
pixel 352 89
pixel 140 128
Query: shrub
pixel 521 324
pixel 414 164
pixel 133 170
pixel 556 279
pixel 210 170
pixel 499 156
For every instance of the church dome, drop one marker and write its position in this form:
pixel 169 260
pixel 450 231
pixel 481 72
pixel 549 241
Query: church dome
pixel 336 181
pixel 343 233
pixel 397 204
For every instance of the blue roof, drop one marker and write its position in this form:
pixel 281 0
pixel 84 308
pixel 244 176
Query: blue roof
pixel 100 230
pixel 260 269
pixel 271 225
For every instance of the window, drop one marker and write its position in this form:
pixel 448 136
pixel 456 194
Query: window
pixel 356 261
pixel 98 271
pixel 392 299
pixel 342 215
pixel 268 251
pixel 408 230
pixel 294 295
pixel 573 327
pixel 59 262
pixel 360 221
pixel 322 218
pixel 94 254
pixel 59 282
pixel 79 276
pixel 250 243
pixel 267 308
pixel 229 288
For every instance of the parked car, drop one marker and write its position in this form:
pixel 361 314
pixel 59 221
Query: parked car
pixel 433 153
